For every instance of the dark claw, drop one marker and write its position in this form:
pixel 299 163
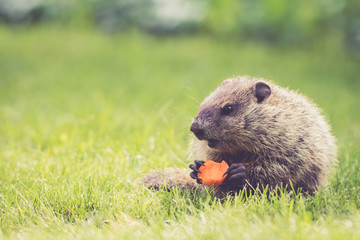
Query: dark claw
pixel 236 176
pixel 194 167
pixel 194 175
pixel 227 171
pixel 199 162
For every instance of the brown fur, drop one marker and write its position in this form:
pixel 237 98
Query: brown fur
pixel 280 140
pixel 167 179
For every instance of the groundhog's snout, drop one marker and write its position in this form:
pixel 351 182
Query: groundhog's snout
pixel 200 124
pixel 197 130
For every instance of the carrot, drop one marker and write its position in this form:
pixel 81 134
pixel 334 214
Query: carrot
pixel 211 173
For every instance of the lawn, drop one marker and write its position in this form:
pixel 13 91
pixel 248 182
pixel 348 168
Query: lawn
pixel 84 114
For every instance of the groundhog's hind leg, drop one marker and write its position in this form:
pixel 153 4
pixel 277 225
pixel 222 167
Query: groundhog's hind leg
pixel 167 179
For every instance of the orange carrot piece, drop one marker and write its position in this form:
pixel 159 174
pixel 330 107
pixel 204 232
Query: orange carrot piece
pixel 211 173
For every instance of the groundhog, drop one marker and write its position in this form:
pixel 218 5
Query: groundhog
pixel 268 135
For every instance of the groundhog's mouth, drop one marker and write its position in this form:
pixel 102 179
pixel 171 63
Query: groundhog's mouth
pixel 212 143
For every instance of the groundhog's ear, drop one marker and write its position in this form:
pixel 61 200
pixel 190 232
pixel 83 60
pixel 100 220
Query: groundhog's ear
pixel 262 91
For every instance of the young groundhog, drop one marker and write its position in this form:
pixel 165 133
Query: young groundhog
pixel 268 135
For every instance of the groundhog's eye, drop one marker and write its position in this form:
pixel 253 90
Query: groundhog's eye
pixel 227 109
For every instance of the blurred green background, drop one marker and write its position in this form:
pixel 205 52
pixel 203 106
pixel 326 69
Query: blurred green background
pixel 272 21
pixel 94 94
pixel 148 46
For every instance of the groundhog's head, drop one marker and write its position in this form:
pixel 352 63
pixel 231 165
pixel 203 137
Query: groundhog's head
pixel 225 117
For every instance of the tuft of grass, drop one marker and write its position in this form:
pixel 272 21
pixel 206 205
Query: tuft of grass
pixel 83 115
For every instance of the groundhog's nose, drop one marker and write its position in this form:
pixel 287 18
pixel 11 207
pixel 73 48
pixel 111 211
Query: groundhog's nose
pixel 197 130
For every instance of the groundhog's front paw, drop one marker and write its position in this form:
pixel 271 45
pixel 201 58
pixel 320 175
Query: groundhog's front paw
pixel 195 167
pixel 236 176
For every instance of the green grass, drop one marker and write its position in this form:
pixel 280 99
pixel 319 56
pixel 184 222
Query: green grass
pixel 83 115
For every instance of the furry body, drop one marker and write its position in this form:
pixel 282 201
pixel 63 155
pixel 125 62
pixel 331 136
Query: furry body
pixel 275 135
